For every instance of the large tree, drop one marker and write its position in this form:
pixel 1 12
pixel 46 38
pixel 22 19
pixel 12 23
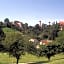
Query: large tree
pixel 7 22
pixel 2 37
pixel 48 51
pixel 17 49
pixel 2 34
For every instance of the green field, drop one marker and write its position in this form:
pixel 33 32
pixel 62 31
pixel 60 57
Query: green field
pixel 6 59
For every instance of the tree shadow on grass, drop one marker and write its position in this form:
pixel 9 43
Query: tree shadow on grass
pixel 40 62
pixel 45 62
pixel 57 59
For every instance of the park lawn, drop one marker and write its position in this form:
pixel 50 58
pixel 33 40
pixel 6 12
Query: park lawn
pixel 58 59
pixel 61 61
pixel 6 59
pixel 32 58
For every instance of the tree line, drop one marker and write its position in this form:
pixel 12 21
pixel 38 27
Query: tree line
pixel 42 32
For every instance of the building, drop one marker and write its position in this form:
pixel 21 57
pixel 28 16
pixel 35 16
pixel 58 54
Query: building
pixel 18 24
pixel 61 23
pixel 34 41
pixel 45 42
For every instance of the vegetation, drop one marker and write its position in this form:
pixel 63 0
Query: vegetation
pixel 17 49
pixel 14 40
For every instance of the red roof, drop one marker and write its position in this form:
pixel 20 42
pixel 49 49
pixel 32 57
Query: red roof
pixel 61 23
pixel 44 41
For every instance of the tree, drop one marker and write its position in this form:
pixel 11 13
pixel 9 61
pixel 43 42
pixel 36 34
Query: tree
pixel 37 29
pixel 17 49
pixel 1 24
pixel 44 26
pixel 31 48
pixel 45 36
pixel 7 22
pixel 2 34
pixel 47 51
pixel 2 48
pixel 49 23
pixel 2 37
pixel 50 51
pixel 25 26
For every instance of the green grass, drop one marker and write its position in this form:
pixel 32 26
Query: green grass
pixel 8 30
pixel 32 58
pixel 6 59
pixel 58 59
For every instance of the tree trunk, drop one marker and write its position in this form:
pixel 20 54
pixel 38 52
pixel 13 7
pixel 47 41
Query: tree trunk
pixel 48 58
pixel 17 61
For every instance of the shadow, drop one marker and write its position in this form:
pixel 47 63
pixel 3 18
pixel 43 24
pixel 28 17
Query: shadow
pixel 57 59
pixel 40 62
pixel 45 62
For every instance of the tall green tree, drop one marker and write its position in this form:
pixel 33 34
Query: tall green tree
pixel 17 49
pixel 7 23
pixel 2 34
pixel 2 37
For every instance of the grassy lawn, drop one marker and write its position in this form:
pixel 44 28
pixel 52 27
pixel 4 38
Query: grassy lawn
pixel 6 59
pixel 58 59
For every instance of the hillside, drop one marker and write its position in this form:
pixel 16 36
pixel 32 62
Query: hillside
pixel 13 35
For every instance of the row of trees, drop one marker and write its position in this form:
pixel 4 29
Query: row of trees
pixel 43 32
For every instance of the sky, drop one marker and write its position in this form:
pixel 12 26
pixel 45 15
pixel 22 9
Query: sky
pixel 32 11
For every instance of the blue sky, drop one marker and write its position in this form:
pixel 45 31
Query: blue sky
pixel 31 11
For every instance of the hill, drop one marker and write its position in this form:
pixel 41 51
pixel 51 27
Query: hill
pixel 13 35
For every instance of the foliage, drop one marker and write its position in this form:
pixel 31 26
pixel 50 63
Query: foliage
pixel 17 49
pixel 47 51
pixel 7 22
pixel 2 34
pixel 11 36
pixel 31 48
pixel 2 37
